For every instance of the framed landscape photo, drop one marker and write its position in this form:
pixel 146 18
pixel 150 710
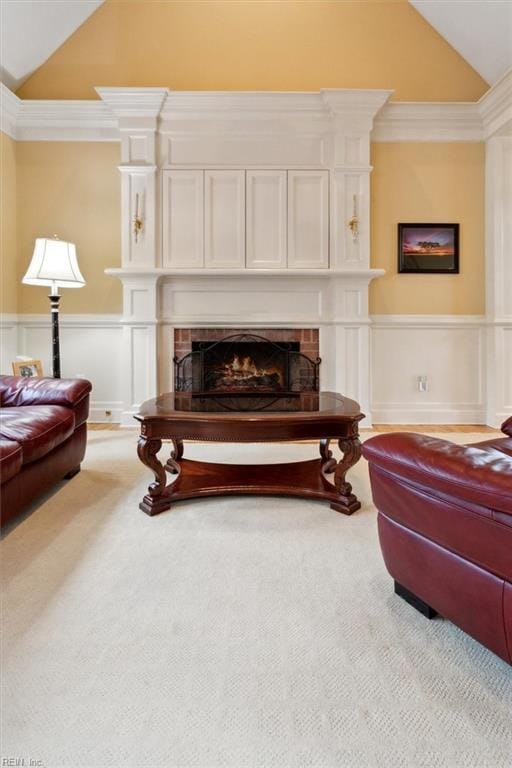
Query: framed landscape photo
pixel 428 248
pixel 27 368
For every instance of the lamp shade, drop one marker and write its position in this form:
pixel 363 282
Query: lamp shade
pixel 54 263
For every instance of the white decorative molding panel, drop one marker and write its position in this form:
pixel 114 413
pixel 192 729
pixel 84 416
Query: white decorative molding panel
pixel 224 219
pixel 449 351
pixel 182 218
pixel 401 348
pixel 308 219
pixel 266 219
pixel 90 347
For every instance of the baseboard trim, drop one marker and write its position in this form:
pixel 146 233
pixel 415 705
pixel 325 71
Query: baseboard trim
pixel 383 414
pixel 98 412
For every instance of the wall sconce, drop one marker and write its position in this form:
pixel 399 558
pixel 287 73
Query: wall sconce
pixel 138 223
pixel 353 223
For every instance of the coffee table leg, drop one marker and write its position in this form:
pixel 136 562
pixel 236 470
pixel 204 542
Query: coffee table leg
pixel 328 462
pixel 155 501
pixel 172 464
pixel 351 450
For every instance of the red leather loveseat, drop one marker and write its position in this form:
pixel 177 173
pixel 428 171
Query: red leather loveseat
pixel 445 528
pixel 43 435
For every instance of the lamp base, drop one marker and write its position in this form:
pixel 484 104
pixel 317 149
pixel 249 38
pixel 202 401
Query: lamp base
pixel 54 308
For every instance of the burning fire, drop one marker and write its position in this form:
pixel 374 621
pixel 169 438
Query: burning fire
pixel 240 369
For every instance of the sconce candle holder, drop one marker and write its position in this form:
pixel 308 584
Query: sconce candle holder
pixel 138 222
pixel 353 223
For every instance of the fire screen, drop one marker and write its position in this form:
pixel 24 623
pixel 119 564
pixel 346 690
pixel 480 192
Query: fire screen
pixel 246 364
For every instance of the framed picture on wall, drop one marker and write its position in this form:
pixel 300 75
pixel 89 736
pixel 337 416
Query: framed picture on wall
pixel 27 368
pixel 428 248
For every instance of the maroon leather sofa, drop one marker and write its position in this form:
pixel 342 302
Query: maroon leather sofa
pixel 445 528
pixel 43 435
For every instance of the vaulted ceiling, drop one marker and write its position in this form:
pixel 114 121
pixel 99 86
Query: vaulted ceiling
pixel 479 30
pixel 33 29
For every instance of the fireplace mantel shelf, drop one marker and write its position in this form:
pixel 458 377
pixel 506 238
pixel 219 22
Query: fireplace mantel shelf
pixel 157 272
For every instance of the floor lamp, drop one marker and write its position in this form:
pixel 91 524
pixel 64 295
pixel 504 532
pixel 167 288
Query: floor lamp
pixel 54 263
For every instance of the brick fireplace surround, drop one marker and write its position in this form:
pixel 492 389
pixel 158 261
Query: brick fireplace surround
pixel 308 338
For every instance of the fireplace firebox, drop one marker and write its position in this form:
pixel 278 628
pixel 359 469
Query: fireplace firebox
pixel 246 364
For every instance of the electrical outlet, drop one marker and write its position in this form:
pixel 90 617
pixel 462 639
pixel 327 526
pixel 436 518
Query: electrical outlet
pixel 422 383
pixel 108 413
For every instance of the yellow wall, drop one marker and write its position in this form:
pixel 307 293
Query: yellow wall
pixel 8 280
pixel 257 45
pixel 72 190
pixel 428 183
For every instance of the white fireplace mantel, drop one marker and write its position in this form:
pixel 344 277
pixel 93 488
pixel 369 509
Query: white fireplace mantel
pixel 157 301
pixel 245 201
pixel 159 272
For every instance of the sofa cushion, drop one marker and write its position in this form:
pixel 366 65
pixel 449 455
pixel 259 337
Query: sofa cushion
pixel 38 429
pixel 19 390
pixel 498 444
pixel 468 474
pixel 11 459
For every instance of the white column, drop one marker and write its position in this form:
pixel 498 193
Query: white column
pixel 496 111
pixel 498 197
pixel 351 122
pixel 137 111
pixel 351 336
pixel 140 343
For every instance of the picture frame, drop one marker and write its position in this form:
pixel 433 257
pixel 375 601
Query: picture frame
pixel 428 248
pixel 28 368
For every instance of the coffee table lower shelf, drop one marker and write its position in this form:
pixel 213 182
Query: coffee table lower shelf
pixel 303 479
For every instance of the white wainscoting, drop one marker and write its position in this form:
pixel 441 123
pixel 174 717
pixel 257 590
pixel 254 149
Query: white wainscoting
pixel 90 348
pixel 507 370
pixel 499 370
pixel 448 350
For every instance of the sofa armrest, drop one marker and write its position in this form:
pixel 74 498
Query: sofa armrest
pixel 506 427
pixel 470 474
pixel 24 390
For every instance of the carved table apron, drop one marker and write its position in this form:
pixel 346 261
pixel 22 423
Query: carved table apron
pixel 334 418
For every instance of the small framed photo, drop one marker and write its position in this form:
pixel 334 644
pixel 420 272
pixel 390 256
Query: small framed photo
pixel 428 248
pixel 27 368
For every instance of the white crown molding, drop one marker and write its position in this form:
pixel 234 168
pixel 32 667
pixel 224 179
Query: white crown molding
pixel 495 108
pixel 62 120
pixel 10 107
pixel 66 121
pixel 360 101
pixel 248 104
pixel 428 121
pixel 269 104
pixel 133 102
pixel 56 120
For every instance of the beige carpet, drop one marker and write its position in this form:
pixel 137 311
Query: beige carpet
pixel 228 633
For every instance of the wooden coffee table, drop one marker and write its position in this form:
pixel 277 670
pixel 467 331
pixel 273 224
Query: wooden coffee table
pixel 180 416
